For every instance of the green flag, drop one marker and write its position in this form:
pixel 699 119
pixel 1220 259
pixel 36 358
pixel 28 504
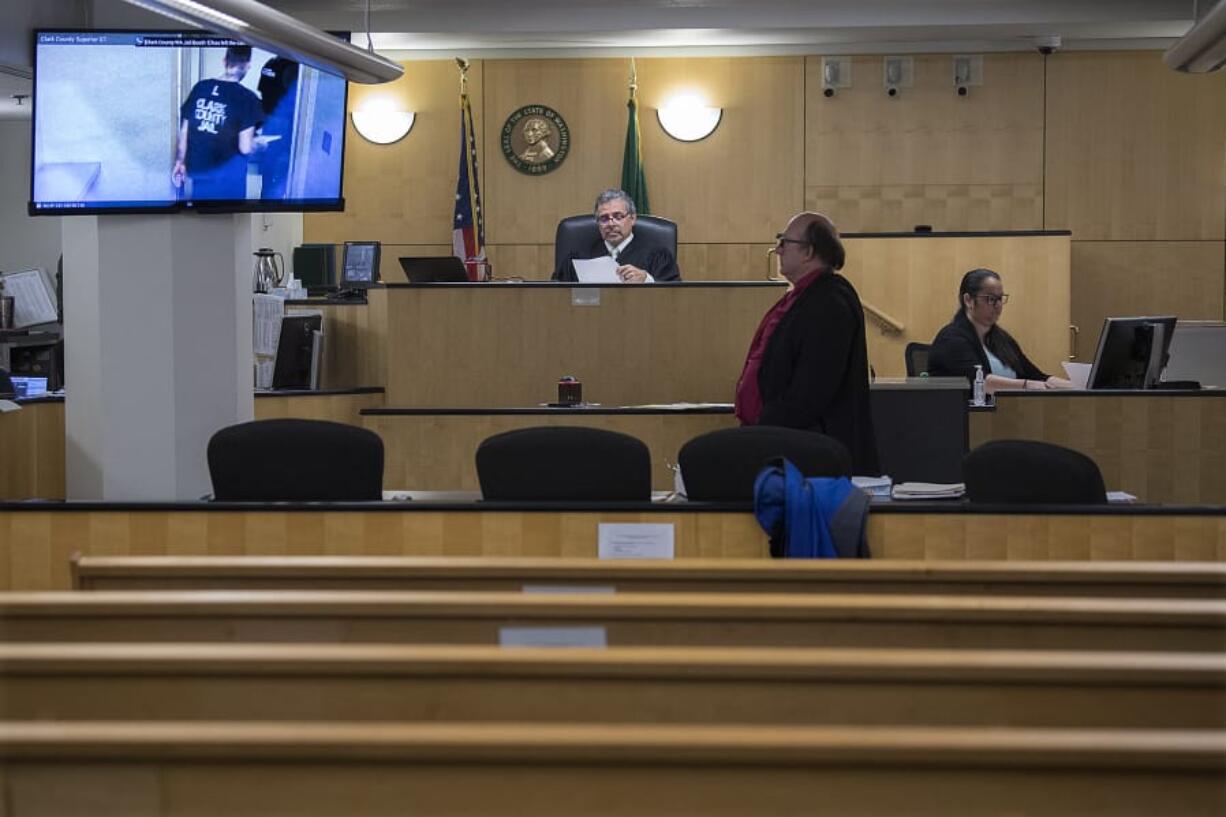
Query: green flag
pixel 634 180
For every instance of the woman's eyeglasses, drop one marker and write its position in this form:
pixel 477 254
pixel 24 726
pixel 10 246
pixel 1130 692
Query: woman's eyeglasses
pixel 993 300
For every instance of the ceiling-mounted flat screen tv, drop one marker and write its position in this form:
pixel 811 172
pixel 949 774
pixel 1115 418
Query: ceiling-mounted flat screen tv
pixel 154 121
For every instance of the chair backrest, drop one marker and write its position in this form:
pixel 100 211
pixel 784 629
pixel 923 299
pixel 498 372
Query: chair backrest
pixel 1031 472
pixel 296 461
pixel 721 466
pixel 564 463
pixel 576 234
pixel 916 358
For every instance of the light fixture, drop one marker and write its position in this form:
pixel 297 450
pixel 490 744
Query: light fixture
pixel 687 118
pixel 380 122
pixel 265 27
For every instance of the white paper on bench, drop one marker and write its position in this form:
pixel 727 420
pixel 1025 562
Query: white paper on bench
pixel 552 637
pixel 569 588
pixel 634 540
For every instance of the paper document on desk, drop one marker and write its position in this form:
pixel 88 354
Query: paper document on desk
pixel 8 405
pixel 602 270
pixel 928 490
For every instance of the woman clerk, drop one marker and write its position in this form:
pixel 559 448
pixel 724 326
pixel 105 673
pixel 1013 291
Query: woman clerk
pixel 975 337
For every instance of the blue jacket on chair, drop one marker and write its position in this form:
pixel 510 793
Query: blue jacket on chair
pixel 814 518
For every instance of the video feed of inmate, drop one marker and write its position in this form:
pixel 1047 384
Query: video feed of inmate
pixel 153 120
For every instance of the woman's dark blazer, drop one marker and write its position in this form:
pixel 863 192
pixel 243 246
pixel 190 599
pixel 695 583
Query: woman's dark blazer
pixel 814 372
pixel 956 351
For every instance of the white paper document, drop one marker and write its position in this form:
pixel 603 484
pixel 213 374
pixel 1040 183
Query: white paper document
pixel 634 540
pixel 266 332
pixel 552 637
pixel 602 270
pixel 8 405
pixel 928 490
pixel 33 298
pixel 1077 373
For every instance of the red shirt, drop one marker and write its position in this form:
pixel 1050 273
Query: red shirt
pixel 748 398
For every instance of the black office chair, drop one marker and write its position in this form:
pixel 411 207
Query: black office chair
pixel 564 463
pixel 721 466
pixel 916 357
pixel 1029 472
pixel 296 461
pixel 576 234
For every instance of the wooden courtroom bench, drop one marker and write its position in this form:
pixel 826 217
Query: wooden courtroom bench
pixel 174 769
pixel 383 682
pixel 624 619
pixel 1119 579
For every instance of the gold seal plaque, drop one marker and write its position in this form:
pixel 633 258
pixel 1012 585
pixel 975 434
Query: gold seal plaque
pixel 535 140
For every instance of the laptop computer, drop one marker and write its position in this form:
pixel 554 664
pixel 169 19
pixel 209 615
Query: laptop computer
pixel 434 269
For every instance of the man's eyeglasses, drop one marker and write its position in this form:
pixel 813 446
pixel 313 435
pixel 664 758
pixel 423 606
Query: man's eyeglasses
pixel 612 218
pixel 781 239
pixel 993 300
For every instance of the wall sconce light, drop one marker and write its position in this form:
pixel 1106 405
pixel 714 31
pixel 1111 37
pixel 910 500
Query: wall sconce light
pixel 378 121
pixel 687 118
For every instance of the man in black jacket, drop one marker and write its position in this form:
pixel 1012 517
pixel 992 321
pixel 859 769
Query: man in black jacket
pixel 638 260
pixel 807 366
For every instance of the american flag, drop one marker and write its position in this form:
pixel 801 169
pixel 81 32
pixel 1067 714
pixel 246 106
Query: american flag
pixel 468 227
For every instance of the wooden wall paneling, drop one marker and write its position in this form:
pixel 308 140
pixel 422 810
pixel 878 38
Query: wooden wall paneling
pixel 437 452
pixel 590 94
pixel 716 190
pixel 356 342
pixel 726 262
pixel 1134 149
pixel 464 347
pixel 339 408
pixel 32 464
pixel 1183 278
pixel 1039 537
pixel 529 262
pixel 1160 448
pixel 404 193
pixel 915 280
pixel 927 156
pixel 36 546
pixel 742 183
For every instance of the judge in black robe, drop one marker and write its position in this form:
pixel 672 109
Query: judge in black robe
pixel 639 260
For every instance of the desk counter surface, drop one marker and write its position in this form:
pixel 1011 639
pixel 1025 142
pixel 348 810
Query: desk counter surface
pixel 39 539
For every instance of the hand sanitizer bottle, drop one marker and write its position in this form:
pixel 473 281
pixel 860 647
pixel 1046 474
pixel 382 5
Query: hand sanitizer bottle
pixel 977 397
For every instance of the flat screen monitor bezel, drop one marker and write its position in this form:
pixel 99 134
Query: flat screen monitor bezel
pixel 1167 321
pixel 343 281
pixel 212 206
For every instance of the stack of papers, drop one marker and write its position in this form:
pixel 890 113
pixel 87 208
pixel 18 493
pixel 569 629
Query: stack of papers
pixel 928 490
pixel 873 486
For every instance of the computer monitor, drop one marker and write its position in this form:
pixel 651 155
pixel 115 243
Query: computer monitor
pixel 315 267
pixel 360 268
pixel 1131 352
pixel 298 352
pixel 434 269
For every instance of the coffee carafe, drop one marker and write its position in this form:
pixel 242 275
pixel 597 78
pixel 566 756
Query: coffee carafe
pixel 269 270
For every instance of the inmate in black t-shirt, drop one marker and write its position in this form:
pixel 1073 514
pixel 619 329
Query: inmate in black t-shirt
pixel 216 112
